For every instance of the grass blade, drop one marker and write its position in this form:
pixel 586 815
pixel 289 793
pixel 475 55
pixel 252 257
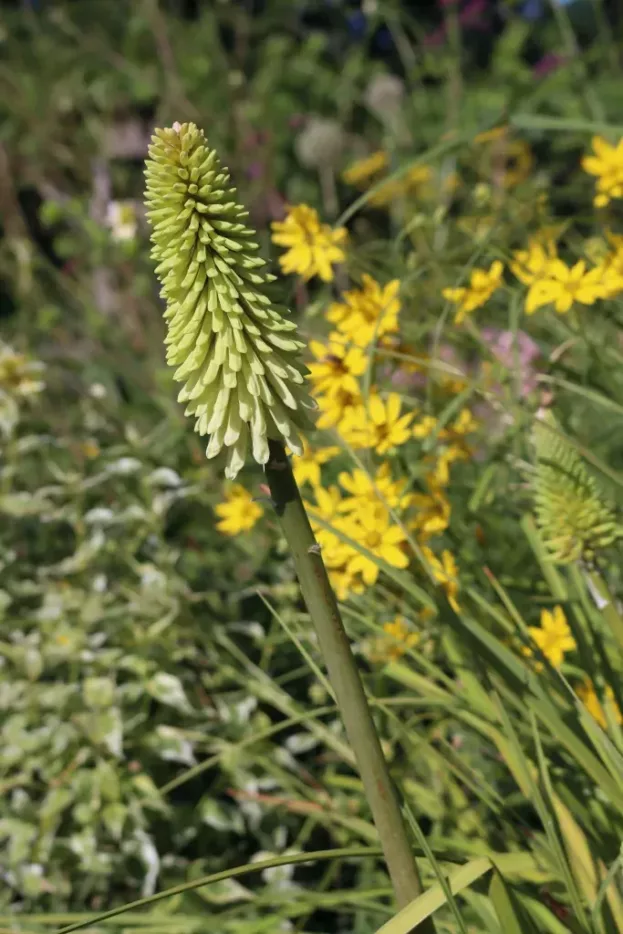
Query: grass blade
pixel 425 905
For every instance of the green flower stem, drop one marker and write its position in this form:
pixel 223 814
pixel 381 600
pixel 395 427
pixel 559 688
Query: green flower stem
pixel 609 608
pixel 344 676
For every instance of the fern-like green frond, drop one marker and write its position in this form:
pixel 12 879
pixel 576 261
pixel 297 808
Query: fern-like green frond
pixel 236 354
pixel 574 519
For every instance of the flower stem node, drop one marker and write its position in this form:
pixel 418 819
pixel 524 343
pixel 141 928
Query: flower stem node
pixel 238 357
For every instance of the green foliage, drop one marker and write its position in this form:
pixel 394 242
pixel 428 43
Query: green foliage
pixel 102 693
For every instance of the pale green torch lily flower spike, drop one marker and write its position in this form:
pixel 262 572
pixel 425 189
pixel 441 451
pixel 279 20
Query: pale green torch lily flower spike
pixel 234 351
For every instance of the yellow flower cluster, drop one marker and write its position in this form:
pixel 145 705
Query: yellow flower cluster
pixel 607 165
pixel 364 517
pixel 369 171
pixel 366 314
pixel 398 637
pixel 373 421
pixel 550 281
pixel 365 423
pixel 507 159
pixel 352 404
pixel 360 509
pixel 378 423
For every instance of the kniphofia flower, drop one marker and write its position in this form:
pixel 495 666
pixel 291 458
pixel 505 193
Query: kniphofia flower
pixel 236 354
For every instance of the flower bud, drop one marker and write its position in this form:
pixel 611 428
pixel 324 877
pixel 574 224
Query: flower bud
pixel 238 357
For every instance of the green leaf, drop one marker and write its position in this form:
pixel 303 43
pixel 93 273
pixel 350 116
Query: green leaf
pixel 513 919
pixel 167 689
pixel 113 817
pixel 563 125
pixel 425 905
pixel 104 728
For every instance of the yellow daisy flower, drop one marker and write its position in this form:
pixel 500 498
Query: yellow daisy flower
pixel 607 165
pixel 564 285
pixel 445 572
pixel 482 284
pixel 588 695
pixel 415 182
pixel 531 264
pixel 239 512
pixel 336 407
pixel 337 366
pixel 553 636
pixel 361 171
pixel 424 427
pixel 374 531
pixel 397 639
pixel 336 554
pixel 432 515
pixel 325 507
pixel 439 476
pixel 368 491
pixel 386 428
pixel 312 247
pixel 465 424
pixel 306 467
pixel 345 583
pixel 367 313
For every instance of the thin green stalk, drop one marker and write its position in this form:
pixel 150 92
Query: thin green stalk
pixel 290 859
pixel 607 604
pixel 345 680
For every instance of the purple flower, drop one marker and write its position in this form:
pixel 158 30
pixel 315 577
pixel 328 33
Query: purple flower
pixel 473 15
pixel 472 12
pixel 521 354
pixel 255 170
pixel 547 64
